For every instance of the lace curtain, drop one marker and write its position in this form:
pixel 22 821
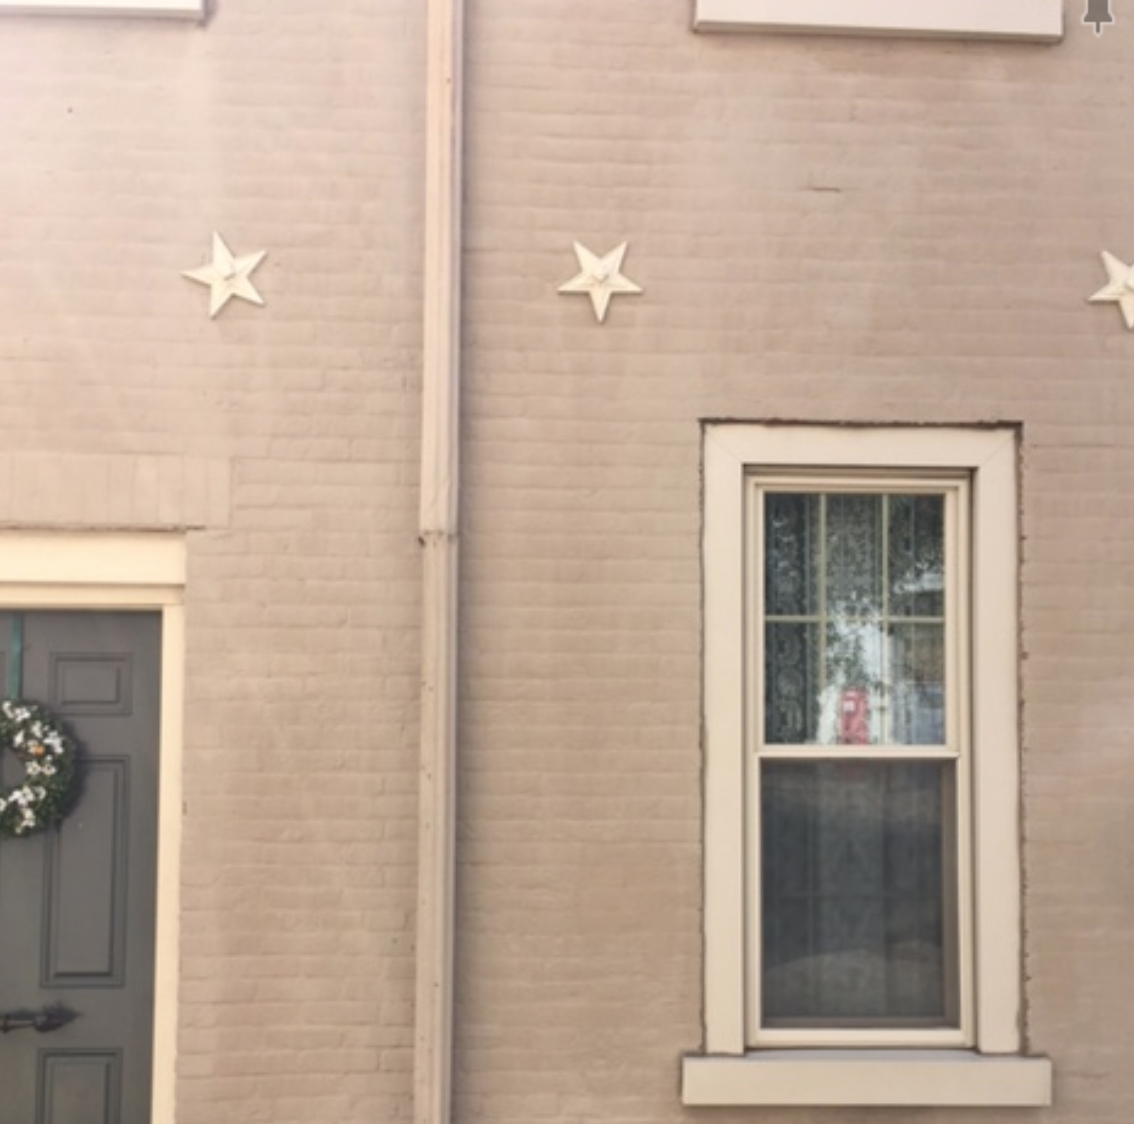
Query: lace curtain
pixel 855 887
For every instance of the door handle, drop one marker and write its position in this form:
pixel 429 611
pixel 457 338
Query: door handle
pixel 44 1020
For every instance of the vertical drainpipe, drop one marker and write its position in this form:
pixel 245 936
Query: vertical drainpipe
pixel 440 464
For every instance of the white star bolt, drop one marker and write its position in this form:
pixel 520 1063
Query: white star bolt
pixel 1119 289
pixel 600 278
pixel 227 276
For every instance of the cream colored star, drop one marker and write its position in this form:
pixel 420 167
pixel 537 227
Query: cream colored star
pixel 227 276
pixel 1119 289
pixel 600 278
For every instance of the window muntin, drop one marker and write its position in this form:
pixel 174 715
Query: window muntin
pixel 858 779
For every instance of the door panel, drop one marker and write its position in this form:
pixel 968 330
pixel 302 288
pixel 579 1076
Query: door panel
pixel 77 903
pixel 85 914
pixel 79 1085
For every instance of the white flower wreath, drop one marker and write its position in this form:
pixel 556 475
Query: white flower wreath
pixel 32 733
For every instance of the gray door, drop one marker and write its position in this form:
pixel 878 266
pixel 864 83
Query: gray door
pixel 77 903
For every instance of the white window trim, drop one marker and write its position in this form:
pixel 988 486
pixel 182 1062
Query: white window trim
pixel 177 9
pixel 1035 20
pixel 867 1076
pixel 908 1078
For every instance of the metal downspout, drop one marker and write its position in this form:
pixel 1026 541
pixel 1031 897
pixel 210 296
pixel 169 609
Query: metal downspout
pixel 440 465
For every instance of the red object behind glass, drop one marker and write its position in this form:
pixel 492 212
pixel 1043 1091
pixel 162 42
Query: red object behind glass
pixel 854 717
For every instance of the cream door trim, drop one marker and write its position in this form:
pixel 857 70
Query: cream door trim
pixel 127 571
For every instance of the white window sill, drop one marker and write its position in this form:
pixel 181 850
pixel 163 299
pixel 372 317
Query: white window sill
pixel 1035 20
pixel 867 1077
pixel 180 9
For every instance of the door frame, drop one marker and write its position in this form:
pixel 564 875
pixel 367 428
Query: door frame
pixel 139 571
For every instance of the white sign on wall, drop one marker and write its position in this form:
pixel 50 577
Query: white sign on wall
pixel 180 9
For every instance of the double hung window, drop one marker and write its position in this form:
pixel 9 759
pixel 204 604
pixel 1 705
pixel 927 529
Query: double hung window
pixel 862 866
pixel 858 760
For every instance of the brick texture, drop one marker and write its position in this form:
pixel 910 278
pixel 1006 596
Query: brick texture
pixel 825 229
pixel 284 439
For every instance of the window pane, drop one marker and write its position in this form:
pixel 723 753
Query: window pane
pixel 854 632
pixel 918 678
pixel 857 904
pixel 853 535
pixel 793 684
pixel 791 556
pixel 851 702
pixel 916 556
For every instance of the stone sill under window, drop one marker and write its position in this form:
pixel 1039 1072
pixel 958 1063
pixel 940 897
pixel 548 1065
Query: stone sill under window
pixel 1026 20
pixel 906 1078
pixel 174 9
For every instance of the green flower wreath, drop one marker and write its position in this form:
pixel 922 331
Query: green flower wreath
pixel 32 733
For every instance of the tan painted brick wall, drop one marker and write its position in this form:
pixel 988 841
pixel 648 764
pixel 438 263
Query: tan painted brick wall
pixel 826 230
pixel 286 439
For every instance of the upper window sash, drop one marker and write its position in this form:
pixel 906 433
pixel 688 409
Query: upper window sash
pixel 1029 20
pixel 175 9
pixel 950 615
